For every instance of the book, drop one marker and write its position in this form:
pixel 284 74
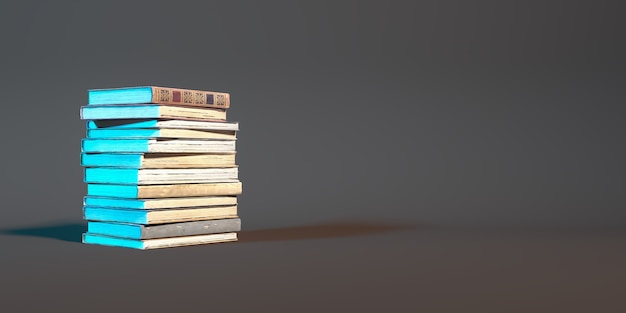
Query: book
pixel 130 133
pixel 90 145
pixel 164 191
pixel 136 231
pixel 156 160
pixel 149 111
pixel 158 243
pixel 154 123
pixel 155 176
pixel 158 216
pixel 161 95
pixel 162 203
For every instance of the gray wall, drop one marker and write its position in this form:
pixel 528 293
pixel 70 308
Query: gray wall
pixel 489 112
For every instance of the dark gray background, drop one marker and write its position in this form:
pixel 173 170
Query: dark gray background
pixel 461 114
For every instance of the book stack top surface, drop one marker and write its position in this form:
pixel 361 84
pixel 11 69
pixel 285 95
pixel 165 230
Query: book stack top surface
pixel 151 102
pixel 160 95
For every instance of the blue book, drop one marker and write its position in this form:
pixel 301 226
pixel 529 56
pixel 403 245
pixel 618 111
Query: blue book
pixel 130 133
pixel 164 191
pixel 90 145
pixel 136 231
pixel 144 244
pixel 162 203
pixel 150 111
pixel 139 123
pixel 158 216
pixel 156 160
pixel 160 95
pixel 155 176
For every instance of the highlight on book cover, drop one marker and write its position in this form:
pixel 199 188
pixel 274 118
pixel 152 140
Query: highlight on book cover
pixel 160 167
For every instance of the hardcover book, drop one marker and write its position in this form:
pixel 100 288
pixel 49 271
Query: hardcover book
pixel 144 244
pixel 135 231
pixel 90 145
pixel 155 176
pixel 156 160
pixel 164 191
pixel 158 216
pixel 130 133
pixel 150 111
pixel 182 124
pixel 163 203
pixel 161 95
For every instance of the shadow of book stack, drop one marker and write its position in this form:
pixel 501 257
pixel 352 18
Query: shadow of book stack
pixel 160 168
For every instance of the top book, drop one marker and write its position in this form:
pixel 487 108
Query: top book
pixel 160 95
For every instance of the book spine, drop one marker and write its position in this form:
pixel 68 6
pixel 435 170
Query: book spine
pixel 209 99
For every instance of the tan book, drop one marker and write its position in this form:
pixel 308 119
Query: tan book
pixel 152 145
pixel 147 111
pixel 164 191
pixel 161 95
pixel 159 216
pixel 157 160
pixel 163 203
pixel 178 229
pixel 144 244
pixel 160 176
pixel 161 133
pixel 154 123
pixel 188 161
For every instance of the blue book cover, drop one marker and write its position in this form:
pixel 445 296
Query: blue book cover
pixel 130 95
pixel 144 244
pixel 152 176
pixel 115 215
pixel 158 216
pixel 91 145
pixel 123 133
pixel 131 160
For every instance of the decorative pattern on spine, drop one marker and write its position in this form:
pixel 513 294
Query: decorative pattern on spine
pixel 212 99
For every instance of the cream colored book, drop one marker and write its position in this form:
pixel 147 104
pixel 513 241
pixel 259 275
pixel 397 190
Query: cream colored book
pixel 159 216
pixel 161 133
pixel 156 176
pixel 155 123
pixel 163 203
pixel 105 112
pixel 152 145
pixel 164 191
pixel 157 160
pixel 144 244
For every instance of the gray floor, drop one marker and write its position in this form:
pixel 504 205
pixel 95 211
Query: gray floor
pixel 339 266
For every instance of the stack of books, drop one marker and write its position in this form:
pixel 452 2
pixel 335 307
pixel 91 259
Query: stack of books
pixel 160 168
